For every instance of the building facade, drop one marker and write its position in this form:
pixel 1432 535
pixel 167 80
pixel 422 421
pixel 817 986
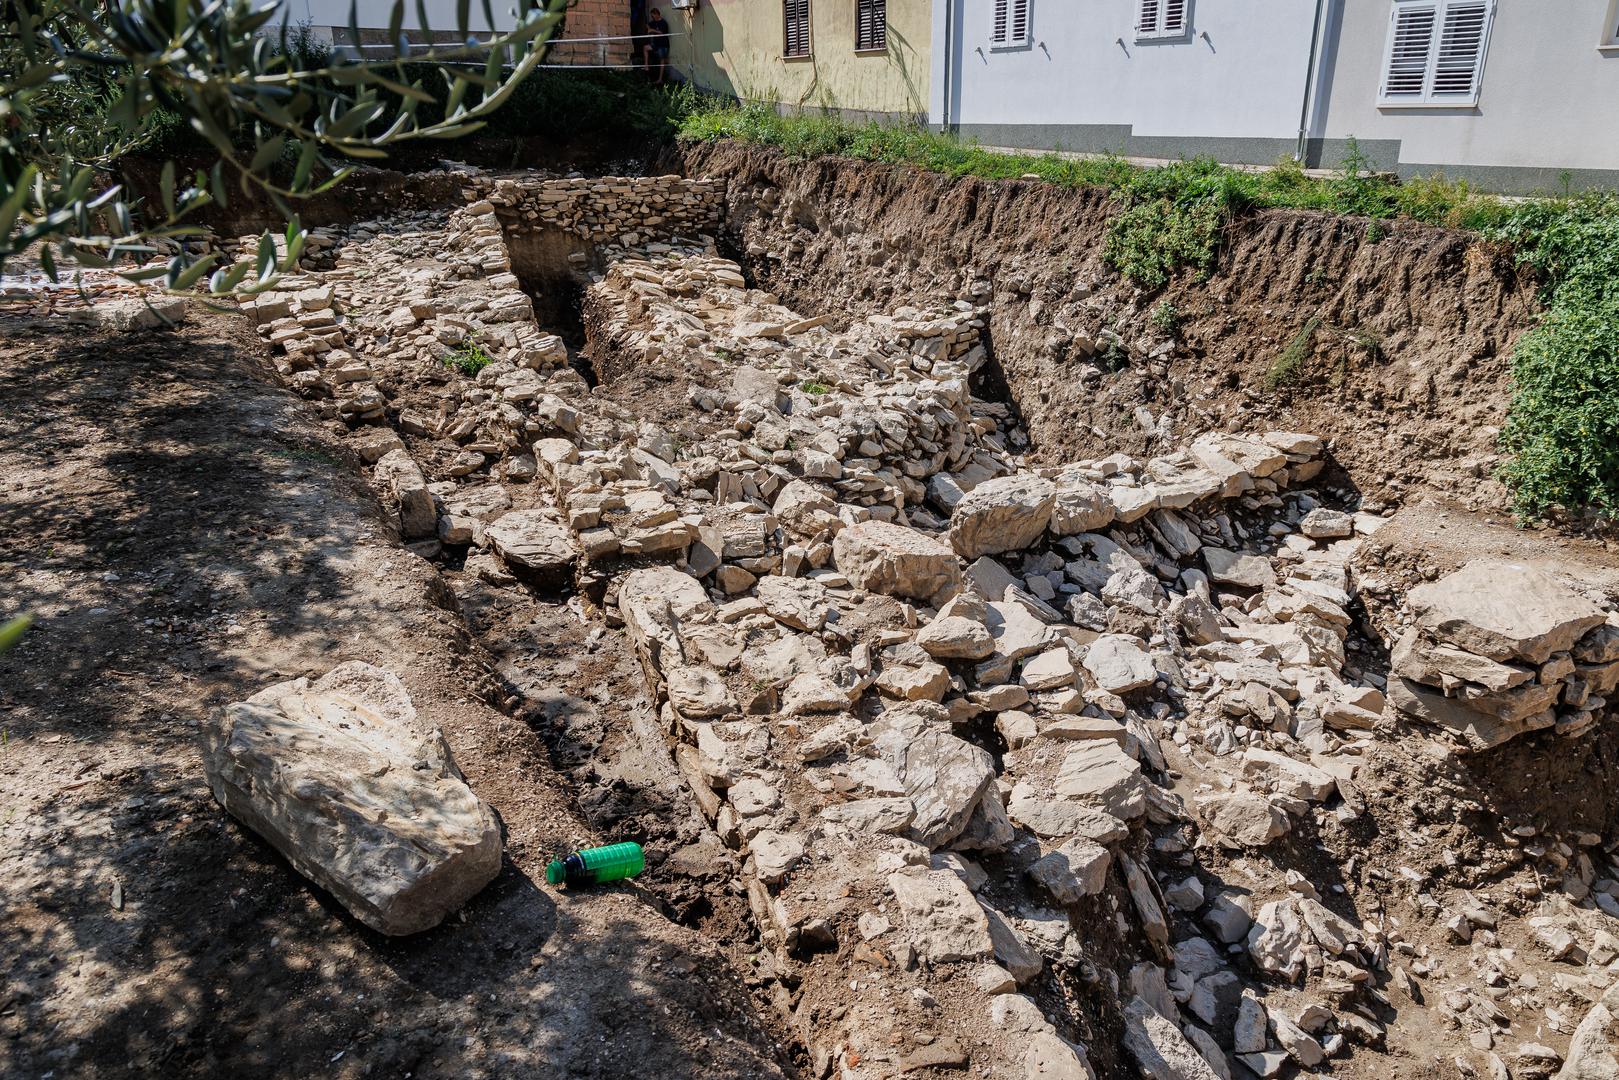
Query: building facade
pixel 596 33
pixel 1518 95
pixel 858 58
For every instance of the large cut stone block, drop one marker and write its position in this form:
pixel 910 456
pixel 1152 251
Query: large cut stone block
pixel 360 795
pixel 1007 513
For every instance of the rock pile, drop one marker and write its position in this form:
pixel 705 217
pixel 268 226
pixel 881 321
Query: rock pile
pixel 1499 649
pixel 960 717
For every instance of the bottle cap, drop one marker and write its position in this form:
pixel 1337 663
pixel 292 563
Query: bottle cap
pixel 554 872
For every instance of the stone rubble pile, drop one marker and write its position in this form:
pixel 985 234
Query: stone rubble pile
pixel 877 409
pixel 822 722
pixel 408 290
pixel 1499 649
pixel 840 581
pixel 961 717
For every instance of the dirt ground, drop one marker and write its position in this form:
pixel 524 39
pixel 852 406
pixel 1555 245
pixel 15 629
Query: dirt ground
pixel 184 535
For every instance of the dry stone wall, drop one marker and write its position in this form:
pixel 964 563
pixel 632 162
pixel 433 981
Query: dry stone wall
pixel 626 210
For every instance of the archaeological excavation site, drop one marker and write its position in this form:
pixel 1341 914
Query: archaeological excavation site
pixel 1004 671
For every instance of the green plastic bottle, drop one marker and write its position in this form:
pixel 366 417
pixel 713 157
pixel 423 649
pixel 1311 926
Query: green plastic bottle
pixel 597 866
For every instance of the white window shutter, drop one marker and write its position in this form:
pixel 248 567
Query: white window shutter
pixel 1436 51
pixel 1411 36
pixel 1019 31
pixel 1461 51
pixel 1147 21
pixel 1174 16
pixel 1011 23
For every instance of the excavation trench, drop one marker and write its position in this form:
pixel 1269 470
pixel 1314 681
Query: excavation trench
pixel 688 439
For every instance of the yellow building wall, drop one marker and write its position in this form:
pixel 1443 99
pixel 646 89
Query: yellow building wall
pixel 734 47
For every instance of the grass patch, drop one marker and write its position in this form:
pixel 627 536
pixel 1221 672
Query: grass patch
pixel 1288 368
pixel 1562 431
pixel 813 388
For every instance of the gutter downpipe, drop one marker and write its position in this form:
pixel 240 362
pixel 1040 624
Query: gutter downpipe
pixel 944 106
pixel 1309 83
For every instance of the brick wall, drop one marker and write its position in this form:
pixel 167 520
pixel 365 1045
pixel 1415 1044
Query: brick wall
pixel 595 18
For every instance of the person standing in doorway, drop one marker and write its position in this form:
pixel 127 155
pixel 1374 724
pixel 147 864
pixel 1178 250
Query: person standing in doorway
pixel 660 46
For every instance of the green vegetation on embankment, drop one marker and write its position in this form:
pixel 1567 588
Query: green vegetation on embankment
pixel 1562 431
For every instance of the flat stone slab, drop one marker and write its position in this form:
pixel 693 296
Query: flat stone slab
pixel 942 917
pixel 1103 776
pixel 1504 611
pixel 535 545
pixel 361 796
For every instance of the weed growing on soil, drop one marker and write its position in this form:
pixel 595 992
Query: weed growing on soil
pixel 1165 317
pixel 469 359
pixel 1288 368
pixel 813 388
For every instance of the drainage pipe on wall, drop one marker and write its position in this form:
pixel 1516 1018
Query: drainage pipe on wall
pixel 1309 82
pixel 944 103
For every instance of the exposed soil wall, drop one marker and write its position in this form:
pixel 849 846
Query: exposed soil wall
pixel 1406 373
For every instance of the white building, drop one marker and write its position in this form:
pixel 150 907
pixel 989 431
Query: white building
pixel 1518 95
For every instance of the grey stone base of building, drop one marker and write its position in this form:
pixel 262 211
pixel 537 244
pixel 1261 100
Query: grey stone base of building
pixel 1381 154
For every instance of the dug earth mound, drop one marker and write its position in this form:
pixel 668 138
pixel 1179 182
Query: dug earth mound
pixel 975 740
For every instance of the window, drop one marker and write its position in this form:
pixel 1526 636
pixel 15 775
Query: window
pixel 1610 30
pixel 795 28
pixel 1162 18
pixel 870 25
pixel 1436 51
pixel 1011 28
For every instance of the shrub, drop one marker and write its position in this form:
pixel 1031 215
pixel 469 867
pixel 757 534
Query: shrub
pixel 1563 427
pixel 1149 241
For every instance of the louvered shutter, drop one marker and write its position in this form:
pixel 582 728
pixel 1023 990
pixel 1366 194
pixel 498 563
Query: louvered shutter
pixel 1461 51
pixel 1410 43
pixel 1020 22
pixel 1002 17
pixel 795 39
pixel 1174 16
pixel 871 24
pixel 1147 23
pixel 1436 51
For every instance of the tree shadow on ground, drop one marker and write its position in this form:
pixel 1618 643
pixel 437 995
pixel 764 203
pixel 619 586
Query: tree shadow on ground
pixel 185 534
